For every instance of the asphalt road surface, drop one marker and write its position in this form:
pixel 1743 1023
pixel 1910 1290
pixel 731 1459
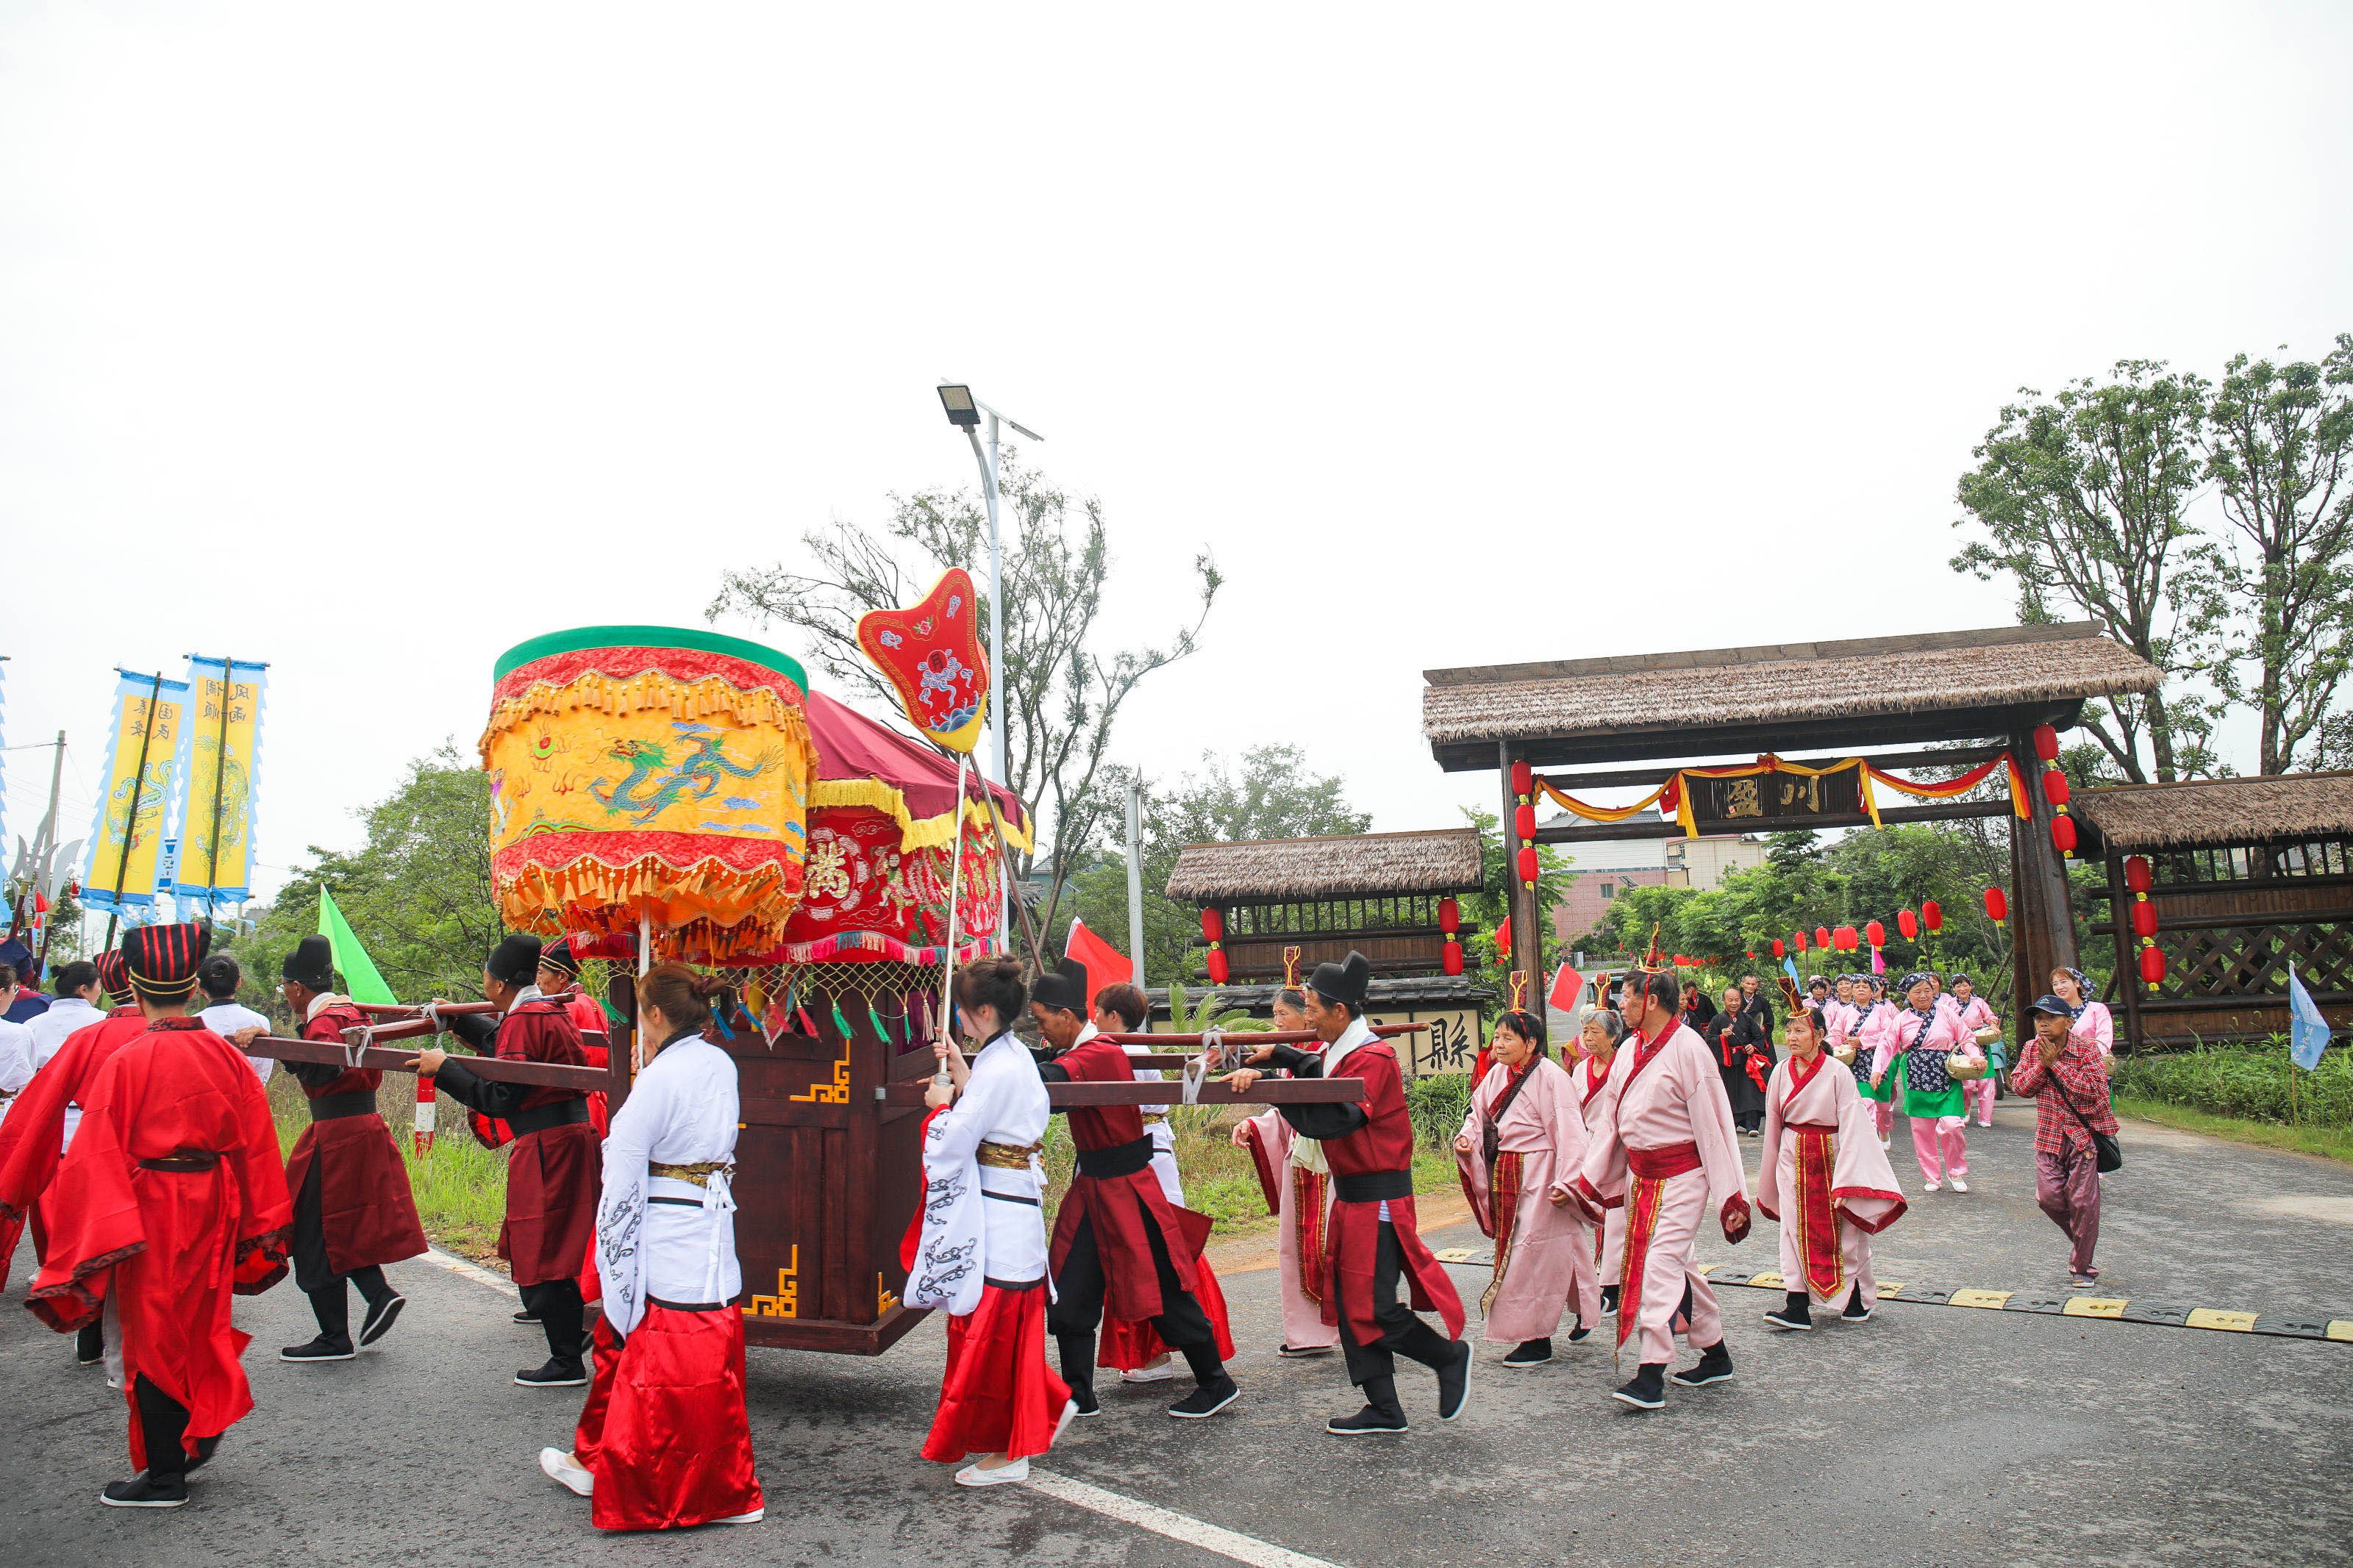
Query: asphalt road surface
pixel 1933 1434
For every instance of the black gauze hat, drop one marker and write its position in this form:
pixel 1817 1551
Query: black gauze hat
pixel 311 964
pixel 557 955
pixel 515 961
pixel 1063 986
pixel 1346 981
pixel 161 960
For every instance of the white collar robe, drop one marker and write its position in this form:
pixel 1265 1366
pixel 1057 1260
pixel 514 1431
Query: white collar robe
pixel 659 1235
pixel 983 1222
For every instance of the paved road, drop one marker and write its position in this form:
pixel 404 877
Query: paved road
pixel 1931 1434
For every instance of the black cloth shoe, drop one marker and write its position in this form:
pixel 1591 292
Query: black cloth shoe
pixel 526 1316
pixel 319 1349
pixel 383 1312
pixel 145 1491
pixel 1454 1383
pixel 1578 1334
pixel 1795 1312
pixel 1372 1421
pixel 1295 1350
pixel 1610 1300
pixel 1206 1400
pixel 559 1372
pixel 1648 1388
pixel 1533 1353
pixel 89 1345
pixel 1714 1367
pixel 1856 1312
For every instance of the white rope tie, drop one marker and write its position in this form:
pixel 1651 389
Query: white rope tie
pixel 1196 1070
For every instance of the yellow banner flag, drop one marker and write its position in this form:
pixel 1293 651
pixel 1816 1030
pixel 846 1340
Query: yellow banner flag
pixel 150 718
pixel 216 807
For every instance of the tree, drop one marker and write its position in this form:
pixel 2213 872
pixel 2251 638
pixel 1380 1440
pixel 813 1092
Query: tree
pixel 1063 696
pixel 2082 498
pixel 1273 796
pixel 417 892
pixel 1487 907
pixel 2278 442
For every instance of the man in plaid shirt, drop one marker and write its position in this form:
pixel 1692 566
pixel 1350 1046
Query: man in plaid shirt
pixel 2067 1166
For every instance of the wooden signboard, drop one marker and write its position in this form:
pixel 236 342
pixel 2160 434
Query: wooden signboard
pixel 1780 799
pixel 1450 1044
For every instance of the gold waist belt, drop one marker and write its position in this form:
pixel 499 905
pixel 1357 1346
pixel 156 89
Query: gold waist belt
pixel 1007 1156
pixel 1155 1116
pixel 696 1174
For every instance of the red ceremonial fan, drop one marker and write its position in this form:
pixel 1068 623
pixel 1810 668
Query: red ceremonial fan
pixel 931 652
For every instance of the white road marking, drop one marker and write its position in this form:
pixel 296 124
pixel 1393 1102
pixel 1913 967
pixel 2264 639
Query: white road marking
pixel 1175 1526
pixel 474 1271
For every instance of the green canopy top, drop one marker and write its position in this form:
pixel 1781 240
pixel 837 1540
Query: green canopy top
pixel 580 638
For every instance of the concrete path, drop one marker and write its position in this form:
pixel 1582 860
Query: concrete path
pixel 1931 1434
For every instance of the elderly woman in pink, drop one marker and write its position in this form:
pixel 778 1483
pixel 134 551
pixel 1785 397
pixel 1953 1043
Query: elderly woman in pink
pixel 1854 1038
pixel 2089 1021
pixel 1294 1179
pixel 1598 1041
pixel 1927 1034
pixel 1520 1147
pixel 1977 1095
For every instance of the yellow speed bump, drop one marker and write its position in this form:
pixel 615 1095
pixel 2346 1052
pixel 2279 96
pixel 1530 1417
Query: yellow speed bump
pixel 2094 1307
pixel 1996 1300
pixel 1767 1282
pixel 2231 1322
pixel 1453 1255
pixel 2341 1328
pixel 1888 1287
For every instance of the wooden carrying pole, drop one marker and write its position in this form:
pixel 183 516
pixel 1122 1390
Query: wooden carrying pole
pixel 499 1069
pixel 1169 1092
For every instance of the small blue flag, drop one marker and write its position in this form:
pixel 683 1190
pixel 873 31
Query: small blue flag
pixel 2307 1030
pixel 1790 965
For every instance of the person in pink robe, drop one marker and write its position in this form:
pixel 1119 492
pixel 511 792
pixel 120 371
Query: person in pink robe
pixel 1824 1179
pixel 1927 1034
pixel 1598 1042
pixel 2089 1021
pixel 1296 1182
pixel 1666 1142
pixel 1544 1251
pixel 1854 1039
pixel 1977 1096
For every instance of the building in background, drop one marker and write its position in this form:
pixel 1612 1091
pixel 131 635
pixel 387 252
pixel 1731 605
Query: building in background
pixel 1607 868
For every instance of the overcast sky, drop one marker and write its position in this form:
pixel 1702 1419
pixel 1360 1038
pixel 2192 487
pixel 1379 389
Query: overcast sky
pixel 371 340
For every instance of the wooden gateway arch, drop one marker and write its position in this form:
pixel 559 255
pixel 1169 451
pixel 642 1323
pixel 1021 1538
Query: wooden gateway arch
pixel 1715 716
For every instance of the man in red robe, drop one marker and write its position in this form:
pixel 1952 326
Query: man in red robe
pixel 1119 1244
pixel 40 1125
pixel 173 1199
pixel 559 978
pixel 552 1172
pixel 353 1210
pixel 1372 1240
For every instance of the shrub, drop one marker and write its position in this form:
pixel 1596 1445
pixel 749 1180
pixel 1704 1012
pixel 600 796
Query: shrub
pixel 2253 1083
pixel 1438 1103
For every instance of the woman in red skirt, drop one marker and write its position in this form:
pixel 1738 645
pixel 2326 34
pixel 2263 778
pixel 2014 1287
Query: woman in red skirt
pixel 663 1441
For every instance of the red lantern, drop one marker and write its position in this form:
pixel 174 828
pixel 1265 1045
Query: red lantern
pixel 1997 904
pixel 1802 939
pixel 1777 948
pixel 2136 873
pixel 1213 923
pixel 1220 970
pixel 1931 915
pixel 1909 923
pixel 1844 938
pixel 1821 936
pixel 1450 915
pixel 2054 787
pixel 1752 952
pixel 2062 833
pixel 1450 958
pixel 2152 964
pixel 1528 865
pixel 1524 821
pixel 1877 934
pixel 1524 779
pixel 2144 918
pixel 2046 743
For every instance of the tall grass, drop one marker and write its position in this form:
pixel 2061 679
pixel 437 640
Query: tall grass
pixel 2249 1083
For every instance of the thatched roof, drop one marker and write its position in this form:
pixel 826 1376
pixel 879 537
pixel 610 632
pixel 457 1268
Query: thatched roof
pixel 1740 695
pixel 2212 812
pixel 1352 865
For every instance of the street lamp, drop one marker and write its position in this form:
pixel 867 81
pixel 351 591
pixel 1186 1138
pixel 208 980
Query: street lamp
pixel 964 412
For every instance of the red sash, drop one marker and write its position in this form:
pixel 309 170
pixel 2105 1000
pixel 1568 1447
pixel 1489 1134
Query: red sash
pixel 1815 1212
pixel 1658 1164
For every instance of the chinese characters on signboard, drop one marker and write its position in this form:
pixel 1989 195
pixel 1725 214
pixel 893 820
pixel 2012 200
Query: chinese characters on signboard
pixel 1777 797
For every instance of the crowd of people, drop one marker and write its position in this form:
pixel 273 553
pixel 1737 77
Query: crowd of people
pixel 137 1140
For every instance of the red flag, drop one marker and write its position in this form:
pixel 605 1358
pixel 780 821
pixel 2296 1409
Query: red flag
pixel 1565 988
pixel 1105 966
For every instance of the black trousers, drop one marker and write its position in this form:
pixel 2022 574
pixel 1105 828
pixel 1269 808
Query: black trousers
pixel 315 1277
pixel 163 1423
pixel 1079 1291
pixel 558 1305
pixel 1402 1332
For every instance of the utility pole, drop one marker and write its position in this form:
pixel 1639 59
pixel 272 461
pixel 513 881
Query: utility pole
pixel 48 847
pixel 1135 881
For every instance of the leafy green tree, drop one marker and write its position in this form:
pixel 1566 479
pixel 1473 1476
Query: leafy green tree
pixel 2081 496
pixel 1062 692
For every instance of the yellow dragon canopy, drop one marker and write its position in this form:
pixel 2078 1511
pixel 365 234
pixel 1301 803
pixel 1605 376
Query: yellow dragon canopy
pixel 649 770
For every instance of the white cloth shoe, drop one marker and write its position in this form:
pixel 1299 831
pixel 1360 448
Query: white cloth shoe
pixel 1004 1475
pixel 566 1471
pixel 1932 1187
pixel 1160 1370
pixel 1959 1186
pixel 754 1517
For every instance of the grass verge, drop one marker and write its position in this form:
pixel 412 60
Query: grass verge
pixel 2336 1143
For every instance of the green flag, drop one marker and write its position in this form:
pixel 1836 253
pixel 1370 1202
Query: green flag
pixel 359 970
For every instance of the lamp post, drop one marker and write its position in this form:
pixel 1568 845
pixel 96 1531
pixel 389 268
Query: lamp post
pixel 966 413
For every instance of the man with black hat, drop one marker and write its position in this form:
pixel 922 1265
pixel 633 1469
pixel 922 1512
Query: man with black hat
pixel 1120 1246
pixel 175 1199
pixel 354 1212
pixel 552 1172
pixel 23 1001
pixel 1371 1239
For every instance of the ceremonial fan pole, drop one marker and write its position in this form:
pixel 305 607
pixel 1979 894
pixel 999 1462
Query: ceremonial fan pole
pixel 956 892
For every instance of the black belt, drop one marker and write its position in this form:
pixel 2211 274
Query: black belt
pixel 1011 1198
pixel 1372 1187
pixel 686 1306
pixel 336 1106
pixel 540 1118
pixel 196 1162
pixel 1125 1160
pixel 1013 1284
pixel 678 1202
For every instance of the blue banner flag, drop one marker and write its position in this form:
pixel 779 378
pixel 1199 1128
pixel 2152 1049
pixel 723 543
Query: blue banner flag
pixel 2307 1030
pixel 1790 964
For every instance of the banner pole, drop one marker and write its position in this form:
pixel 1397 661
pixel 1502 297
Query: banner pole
pixel 131 823
pixel 956 891
pixel 220 777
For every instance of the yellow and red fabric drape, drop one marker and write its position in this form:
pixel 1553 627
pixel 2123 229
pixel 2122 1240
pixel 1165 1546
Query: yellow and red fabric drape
pixel 1673 799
